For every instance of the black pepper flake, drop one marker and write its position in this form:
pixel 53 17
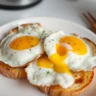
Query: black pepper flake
pixel 74 43
pixel 52 39
pixel 6 52
pixel 15 52
pixel 31 45
pixel 49 41
pixel 78 49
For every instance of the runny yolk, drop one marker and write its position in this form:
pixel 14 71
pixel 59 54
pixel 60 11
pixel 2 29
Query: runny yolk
pixel 77 44
pixel 24 42
pixel 44 61
pixel 58 60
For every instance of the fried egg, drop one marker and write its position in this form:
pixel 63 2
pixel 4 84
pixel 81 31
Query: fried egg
pixel 19 48
pixel 41 73
pixel 69 52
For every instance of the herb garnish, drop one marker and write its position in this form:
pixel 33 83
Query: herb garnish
pixel 48 72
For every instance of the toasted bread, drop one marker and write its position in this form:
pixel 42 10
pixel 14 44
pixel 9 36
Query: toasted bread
pixel 82 81
pixel 18 72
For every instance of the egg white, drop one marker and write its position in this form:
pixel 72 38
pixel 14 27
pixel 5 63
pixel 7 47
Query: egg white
pixel 16 58
pixel 46 77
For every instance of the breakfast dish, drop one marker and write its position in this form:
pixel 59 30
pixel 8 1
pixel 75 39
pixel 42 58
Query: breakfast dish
pixel 21 46
pixel 56 62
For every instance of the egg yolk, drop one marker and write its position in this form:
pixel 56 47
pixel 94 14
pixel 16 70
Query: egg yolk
pixel 44 61
pixel 24 42
pixel 77 44
pixel 59 58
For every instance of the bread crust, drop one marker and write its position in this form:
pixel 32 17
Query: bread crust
pixel 82 81
pixel 14 72
pixel 11 72
pixel 23 25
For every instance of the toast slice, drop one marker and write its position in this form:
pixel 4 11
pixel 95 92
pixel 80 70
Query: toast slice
pixel 82 81
pixel 18 72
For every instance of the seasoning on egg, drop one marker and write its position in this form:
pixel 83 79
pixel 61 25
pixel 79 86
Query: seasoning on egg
pixel 48 72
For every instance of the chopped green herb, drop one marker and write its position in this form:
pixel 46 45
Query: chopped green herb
pixel 11 54
pixel 48 72
pixel 43 31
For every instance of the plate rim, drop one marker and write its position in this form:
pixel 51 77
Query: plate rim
pixel 41 17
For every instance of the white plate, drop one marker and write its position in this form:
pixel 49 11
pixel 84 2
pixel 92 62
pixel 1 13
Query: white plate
pixel 10 87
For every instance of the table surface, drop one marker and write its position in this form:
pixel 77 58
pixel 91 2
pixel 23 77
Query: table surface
pixel 65 9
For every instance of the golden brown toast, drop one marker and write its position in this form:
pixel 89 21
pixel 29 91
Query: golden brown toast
pixel 18 72
pixel 82 81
